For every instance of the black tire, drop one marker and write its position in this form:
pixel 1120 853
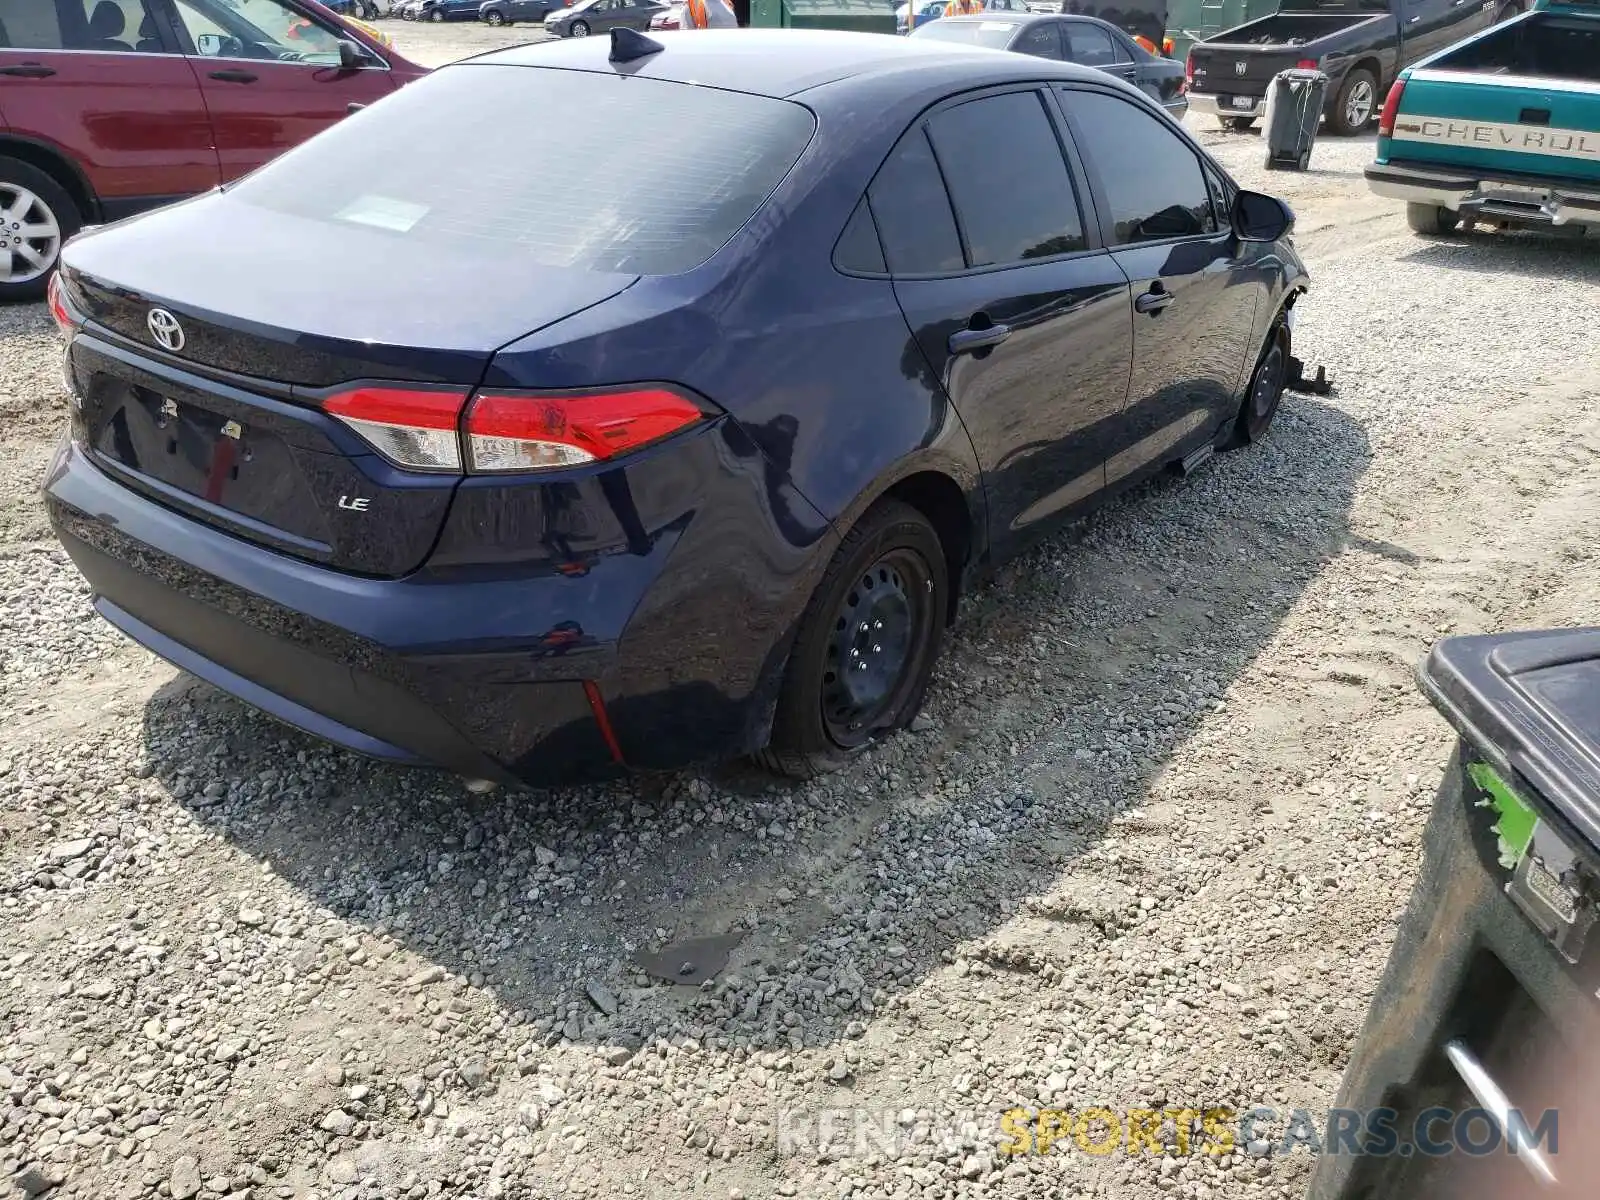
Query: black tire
pixel 1265 391
pixel 1430 220
pixel 889 580
pixel 50 204
pixel 494 17
pixel 1238 124
pixel 1355 105
pixel 580 29
pixel 436 15
pixel 1506 13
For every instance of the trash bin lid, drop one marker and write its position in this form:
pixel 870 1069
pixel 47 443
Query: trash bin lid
pixel 1529 703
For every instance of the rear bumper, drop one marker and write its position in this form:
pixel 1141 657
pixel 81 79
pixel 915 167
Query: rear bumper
pixel 1219 105
pixel 519 675
pixel 1488 196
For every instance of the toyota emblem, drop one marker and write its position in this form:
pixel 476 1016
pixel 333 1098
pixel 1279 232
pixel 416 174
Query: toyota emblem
pixel 165 329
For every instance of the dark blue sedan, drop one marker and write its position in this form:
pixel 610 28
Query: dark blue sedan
pixel 537 458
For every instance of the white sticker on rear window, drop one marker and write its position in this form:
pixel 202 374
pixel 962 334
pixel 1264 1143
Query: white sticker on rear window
pixel 382 212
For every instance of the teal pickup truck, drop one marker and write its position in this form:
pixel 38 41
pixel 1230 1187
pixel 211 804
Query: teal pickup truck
pixel 1502 128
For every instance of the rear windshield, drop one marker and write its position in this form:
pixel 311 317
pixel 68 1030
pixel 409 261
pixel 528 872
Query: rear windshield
pixel 996 34
pixel 597 171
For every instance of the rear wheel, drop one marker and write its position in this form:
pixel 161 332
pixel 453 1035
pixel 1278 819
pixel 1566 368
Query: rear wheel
pixel 1356 103
pixel 580 29
pixel 1431 220
pixel 866 645
pixel 494 17
pixel 1237 124
pixel 36 217
pixel 1265 393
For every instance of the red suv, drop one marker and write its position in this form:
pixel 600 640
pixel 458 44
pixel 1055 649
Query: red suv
pixel 108 107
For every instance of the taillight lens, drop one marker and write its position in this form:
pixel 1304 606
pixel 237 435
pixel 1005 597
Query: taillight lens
pixel 412 428
pixel 58 303
pixel 1308 64
pixel 1188 69
pixel 513 431
pixel 1391 107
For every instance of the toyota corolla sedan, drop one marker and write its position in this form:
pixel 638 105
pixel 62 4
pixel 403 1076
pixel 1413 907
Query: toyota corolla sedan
pixel 538 458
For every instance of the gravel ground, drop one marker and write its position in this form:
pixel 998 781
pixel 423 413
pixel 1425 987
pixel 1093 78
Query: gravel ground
pixel 1146 850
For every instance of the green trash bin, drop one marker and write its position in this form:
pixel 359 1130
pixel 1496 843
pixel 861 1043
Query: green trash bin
pixel 861 16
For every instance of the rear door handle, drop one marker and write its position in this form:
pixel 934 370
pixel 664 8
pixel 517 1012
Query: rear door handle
pixel 1153 301
pixel 232 75
pixel 965 341
pixel 29 71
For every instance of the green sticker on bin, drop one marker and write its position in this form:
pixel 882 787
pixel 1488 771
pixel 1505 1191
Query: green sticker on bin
pixel 1516 821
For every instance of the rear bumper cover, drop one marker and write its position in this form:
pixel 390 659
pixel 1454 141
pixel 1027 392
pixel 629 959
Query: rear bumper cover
pixel 1487 195
pixel 450 670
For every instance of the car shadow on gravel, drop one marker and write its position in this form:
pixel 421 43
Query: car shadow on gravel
pixel 1530 253
pixel 1070 684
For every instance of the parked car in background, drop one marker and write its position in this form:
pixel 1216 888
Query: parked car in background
pixel 1081 40
pixel 601 16
pixel 509 12
pixel 668 18
pixel 929 10
pixel 448 10
pixel 102 116
pixel 1360 44
pixel 1502 128
pixel 506 534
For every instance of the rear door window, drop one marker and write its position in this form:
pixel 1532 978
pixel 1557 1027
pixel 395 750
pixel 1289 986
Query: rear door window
pixel 106 26
pixel 1089 45
pixel 663 176
pixel 1007 176
pixel 912 211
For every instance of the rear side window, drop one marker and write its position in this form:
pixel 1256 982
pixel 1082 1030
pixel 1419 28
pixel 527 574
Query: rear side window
pixel 1151 176
pixel 1042 40
pixel 1089 45
pixel 912 211
pixel 858 249
pixel 1013 196
pixel 664 174
pixel 107 26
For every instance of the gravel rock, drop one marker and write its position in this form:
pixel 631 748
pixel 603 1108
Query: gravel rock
pixel 184 1179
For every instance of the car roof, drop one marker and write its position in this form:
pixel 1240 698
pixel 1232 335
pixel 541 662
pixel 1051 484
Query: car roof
pixel 1023 18
pixel 784 62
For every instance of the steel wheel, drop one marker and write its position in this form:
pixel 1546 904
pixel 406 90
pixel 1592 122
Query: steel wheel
pixel 30 235
pixel 492 17
pixel 875 633
pixel 580 29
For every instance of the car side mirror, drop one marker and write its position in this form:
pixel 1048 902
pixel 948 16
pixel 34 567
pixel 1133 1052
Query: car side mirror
pixel 1259 218
pixel 352 57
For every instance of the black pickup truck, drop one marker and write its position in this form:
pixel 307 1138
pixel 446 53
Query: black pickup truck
pixel 1361 45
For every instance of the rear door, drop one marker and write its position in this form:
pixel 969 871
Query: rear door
pixel 102 81
pixel 1429 25
pixel 1194 298
pixel 270 76
pixel 1015 306
pixel 1090 45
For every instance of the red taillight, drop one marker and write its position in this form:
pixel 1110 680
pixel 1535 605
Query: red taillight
pixel 58 303
pixel 520 432
pixel 1391 107
pixel 411 427
pixel 1308 64
pixel 1188 69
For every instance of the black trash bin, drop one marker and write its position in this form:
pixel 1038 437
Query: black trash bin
pixel 1489 1000
pixel 1294 106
